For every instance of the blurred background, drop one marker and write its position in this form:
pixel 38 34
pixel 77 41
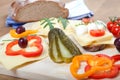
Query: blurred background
pixel 103 9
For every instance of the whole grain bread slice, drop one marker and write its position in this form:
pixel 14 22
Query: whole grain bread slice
pixel 38 10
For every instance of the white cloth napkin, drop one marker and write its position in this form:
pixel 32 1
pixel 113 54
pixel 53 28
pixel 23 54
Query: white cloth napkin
pixel 78 9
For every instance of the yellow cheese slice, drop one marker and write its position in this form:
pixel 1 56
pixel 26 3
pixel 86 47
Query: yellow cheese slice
pixel 44 31
pixel 87 39
pixel 11 62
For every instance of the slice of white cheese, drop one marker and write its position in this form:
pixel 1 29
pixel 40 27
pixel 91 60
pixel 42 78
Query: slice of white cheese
pixel 28 48
pixel 79 30
pixel 87 39
pixel 43 31
pixel 11 62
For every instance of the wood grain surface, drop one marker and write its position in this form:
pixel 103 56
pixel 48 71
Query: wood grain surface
pixel 102 10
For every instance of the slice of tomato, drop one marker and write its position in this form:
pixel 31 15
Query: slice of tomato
pixel 97 33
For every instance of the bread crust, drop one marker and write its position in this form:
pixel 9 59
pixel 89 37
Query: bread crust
pixel 17 8
pixel 94 48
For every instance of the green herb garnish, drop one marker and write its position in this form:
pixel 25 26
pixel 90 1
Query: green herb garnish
pixel 63 21
pixel 48 22
pixel 9 40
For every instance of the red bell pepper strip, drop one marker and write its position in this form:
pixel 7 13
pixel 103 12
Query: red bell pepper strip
pixel 113 72
pixel 116 59
pixel 9 51
pixel 96 63
pixel 22 51
pixel 103 55
pixel 99 60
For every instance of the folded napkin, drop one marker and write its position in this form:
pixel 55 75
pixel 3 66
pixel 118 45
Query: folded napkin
pixel 11 23
pixel 77 10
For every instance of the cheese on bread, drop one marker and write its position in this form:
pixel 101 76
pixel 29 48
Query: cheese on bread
pixel 87 39
pixel 11 62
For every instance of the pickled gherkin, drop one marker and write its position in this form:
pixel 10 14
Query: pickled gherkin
pixel 61 47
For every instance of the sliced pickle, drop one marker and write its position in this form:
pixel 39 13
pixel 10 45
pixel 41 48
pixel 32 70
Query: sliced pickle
pixel 61 47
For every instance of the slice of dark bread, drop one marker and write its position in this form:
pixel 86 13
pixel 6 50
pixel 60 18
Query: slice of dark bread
pixel 38 10
pixel 94 48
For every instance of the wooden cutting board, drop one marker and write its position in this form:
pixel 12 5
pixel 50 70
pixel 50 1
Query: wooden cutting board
pixel 46 69
pixel 99 8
